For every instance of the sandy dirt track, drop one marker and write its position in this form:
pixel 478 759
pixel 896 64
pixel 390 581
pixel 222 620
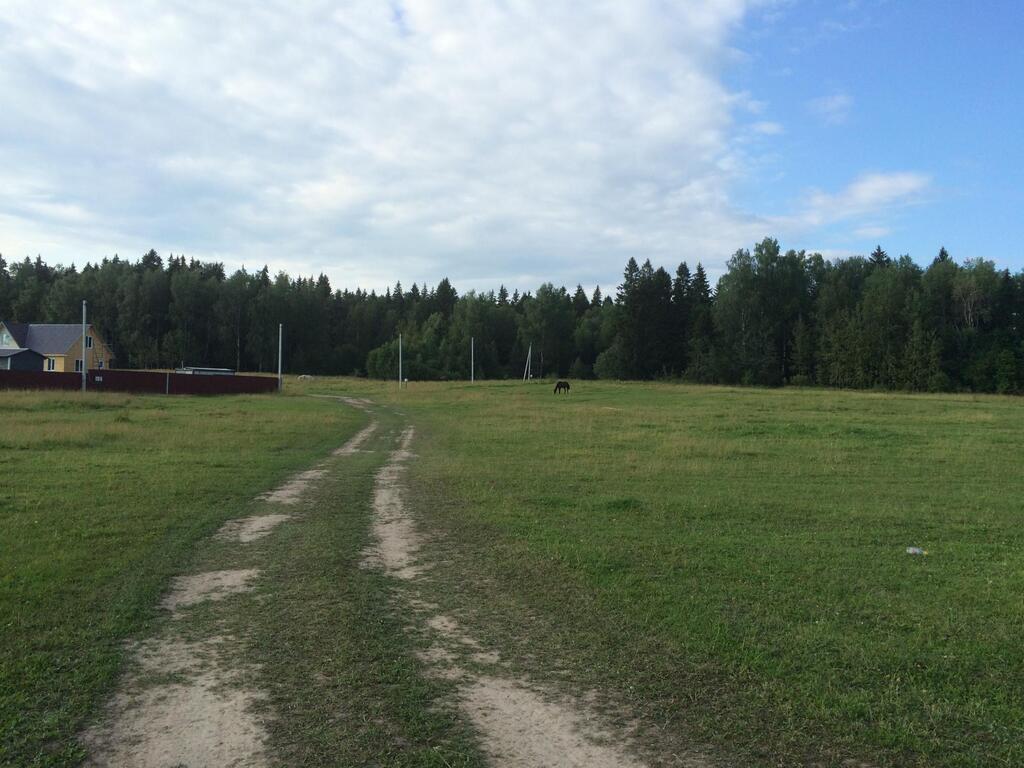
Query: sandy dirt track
pixel 184 702
pixel 189 702
pixel 520 724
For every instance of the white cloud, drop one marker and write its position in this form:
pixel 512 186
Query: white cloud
pixel 331 194
pixel 833 109
pixel 869 194
pixel 872 232
pixel 379 141
pixel 865 206
pixel 767 128
pixel 371 139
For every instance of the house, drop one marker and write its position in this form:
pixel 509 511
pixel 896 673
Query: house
pixel 20 360
pixel 51 347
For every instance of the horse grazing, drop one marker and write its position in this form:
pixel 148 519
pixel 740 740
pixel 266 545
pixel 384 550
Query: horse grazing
pixel 562 386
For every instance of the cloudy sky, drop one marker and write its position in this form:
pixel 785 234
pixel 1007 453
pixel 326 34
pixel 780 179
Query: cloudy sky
pixel 510 141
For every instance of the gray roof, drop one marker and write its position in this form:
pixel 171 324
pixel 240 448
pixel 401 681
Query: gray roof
pixel 46 338
pixel 13 352
pixel 52 339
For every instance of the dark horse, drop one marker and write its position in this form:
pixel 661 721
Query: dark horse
pixel 562 386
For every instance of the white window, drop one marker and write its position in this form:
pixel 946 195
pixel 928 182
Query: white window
pixel 50 363
pixel 78 366
pixel 88 342
pixel 6 340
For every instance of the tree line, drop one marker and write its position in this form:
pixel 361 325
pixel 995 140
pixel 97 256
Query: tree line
pixel 773 318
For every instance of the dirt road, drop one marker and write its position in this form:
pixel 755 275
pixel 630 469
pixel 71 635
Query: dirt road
pixel 261 646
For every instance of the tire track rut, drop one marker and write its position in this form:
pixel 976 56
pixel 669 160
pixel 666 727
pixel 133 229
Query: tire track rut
pixel 520 723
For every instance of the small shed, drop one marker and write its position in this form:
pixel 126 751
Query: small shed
pixel 20 360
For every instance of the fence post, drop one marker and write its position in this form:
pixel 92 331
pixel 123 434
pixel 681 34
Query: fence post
pixel 85 367
pixel 167 383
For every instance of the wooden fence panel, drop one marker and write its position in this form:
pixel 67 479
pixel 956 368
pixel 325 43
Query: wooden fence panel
pixel 142 382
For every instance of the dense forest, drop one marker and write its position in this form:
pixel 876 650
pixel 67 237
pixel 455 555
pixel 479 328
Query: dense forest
pixel 773 318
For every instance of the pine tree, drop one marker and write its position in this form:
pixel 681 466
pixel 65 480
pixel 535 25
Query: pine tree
pixel 398 301
pixel 681 287
pixel 879 258
pixel 151 260
pixel 446 297
pixel 699 355
pixel 700 288
pixel 580 303
pixel 628 336
pixel 681 284
pixel 658 325
pixel 630 279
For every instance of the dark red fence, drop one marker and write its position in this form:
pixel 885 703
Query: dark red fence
pixel 152 382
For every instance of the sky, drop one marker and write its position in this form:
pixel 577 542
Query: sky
pixel 508 142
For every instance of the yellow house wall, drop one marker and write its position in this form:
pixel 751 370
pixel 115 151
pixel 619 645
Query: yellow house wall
pixel 99 351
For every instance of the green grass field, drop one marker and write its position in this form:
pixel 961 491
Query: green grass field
pixel 103 499
pixel 733 561
pixel 727 564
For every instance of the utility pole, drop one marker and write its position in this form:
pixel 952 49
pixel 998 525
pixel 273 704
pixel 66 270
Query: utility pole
pixel 280 339
pixel 529 355
pixel 84 366
pixel 472 358
pixel 399 361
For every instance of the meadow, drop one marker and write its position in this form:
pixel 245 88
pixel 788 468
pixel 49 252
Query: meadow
pixel 732 562
pixel 725 567
pixel 103 498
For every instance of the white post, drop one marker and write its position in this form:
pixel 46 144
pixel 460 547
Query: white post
pixel 84 367
pixel 280 339
pixel 399 361
pixel 472 358
pixel 526 368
